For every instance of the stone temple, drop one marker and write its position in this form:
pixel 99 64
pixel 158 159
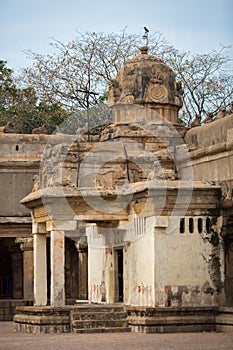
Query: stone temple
pixel 128 229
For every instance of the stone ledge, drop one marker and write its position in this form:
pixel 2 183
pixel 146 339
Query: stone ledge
pixel 224 322
pixel 27 328
pixel 42 319
pixel 173 329
pixel 171 320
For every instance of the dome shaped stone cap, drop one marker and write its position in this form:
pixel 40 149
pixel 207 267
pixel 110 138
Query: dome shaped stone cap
pixel 145 79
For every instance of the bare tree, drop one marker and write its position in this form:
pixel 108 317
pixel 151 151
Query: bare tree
pixel 77 75
pixel 206 79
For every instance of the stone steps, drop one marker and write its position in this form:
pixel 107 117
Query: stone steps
pixel 103 330
pixel 99 319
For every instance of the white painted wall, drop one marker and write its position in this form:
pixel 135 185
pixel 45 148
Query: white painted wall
pixel 162 267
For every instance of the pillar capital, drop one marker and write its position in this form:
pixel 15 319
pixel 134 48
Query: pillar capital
pixel 56 225
pixel 81 245
pixel 26 244
pixel 39 228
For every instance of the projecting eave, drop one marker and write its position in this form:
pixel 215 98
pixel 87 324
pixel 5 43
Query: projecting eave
pixel 36 197
pixel 149 198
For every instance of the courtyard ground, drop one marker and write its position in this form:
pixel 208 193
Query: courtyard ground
pixel 113 341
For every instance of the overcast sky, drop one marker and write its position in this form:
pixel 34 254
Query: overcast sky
pixel 193 25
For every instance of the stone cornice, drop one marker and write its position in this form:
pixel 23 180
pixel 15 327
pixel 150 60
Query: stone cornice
pixel 207 151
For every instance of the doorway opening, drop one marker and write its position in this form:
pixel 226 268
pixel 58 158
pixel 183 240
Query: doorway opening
pixel 6 278
pixel 229 272
pixel 120 275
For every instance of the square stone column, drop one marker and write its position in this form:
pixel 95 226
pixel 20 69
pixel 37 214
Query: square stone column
pixel 40 265
pixel 82 248
pixel 26 245
pixel 57 246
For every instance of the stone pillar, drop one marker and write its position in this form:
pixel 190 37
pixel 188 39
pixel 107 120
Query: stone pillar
pixel 82 269
pixel 57 244
pixel 40 264
pixel 26 245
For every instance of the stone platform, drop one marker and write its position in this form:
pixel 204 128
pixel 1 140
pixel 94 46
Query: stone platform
pixel 102 318
pixel 89 318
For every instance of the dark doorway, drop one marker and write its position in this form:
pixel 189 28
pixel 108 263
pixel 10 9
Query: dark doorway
pixel 6 280
pixel 120 271
pixel 229 273
pixel 48 257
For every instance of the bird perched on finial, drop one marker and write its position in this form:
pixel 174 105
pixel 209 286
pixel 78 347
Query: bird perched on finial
pixel 145 36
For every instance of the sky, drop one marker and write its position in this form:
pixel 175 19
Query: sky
pixel 199 26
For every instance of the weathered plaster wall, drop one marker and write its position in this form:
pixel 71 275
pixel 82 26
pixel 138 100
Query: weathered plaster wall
pixel 20 157
pixel 163 266
pixel 15 184
pixel 139 270
pixel 19 162
pixel 189 267
pixel 138 264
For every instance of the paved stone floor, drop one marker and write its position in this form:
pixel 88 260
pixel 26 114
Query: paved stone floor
pixel 126 341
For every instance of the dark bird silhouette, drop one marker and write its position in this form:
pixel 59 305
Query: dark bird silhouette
pixel 146 30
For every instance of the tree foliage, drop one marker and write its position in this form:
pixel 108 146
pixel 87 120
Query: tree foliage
pixel 21 106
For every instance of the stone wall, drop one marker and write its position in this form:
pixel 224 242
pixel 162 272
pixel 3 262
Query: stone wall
pixel 8 309
pixel 211 151
pixel 210 134
pixel 20 160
